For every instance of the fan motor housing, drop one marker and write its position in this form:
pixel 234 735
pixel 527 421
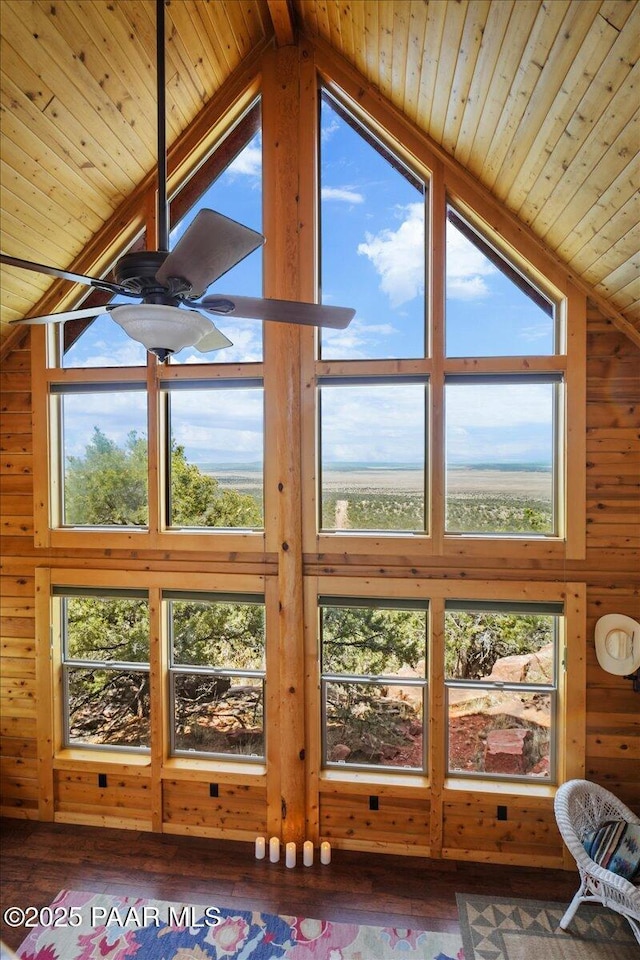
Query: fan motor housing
pixel 137 273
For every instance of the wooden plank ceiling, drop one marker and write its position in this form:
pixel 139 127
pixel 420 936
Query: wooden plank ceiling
pixel 538 100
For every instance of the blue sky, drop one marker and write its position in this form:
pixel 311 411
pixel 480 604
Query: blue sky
pixel 372 258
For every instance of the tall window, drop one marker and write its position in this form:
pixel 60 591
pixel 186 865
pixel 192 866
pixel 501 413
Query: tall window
pixel 105 667
pixel 374 682
pixel 217 674
pixel 201 432
pixel 435 417
pixel 373 445
pixel 502 429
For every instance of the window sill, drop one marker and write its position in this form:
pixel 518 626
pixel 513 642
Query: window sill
pixel 370 782
pixel 224 771
pixel 456 785
pixel 77 758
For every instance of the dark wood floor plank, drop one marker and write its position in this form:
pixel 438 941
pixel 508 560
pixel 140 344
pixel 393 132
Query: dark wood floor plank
pixel 37 860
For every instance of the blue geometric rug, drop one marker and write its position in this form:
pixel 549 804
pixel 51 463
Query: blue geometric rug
pixel 88 926
pixel 503 928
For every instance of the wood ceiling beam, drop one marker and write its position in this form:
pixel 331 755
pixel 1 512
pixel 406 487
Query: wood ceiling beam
pixel 281 15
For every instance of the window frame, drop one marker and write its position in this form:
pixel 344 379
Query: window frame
pixel 384 679
pixel 235 130
pixel 60 597
pixel 449 188
pixel 174 670
pixel 53 582
pixel 570 679
pixel 551 690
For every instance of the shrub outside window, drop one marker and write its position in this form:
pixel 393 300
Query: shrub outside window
pixel 374 683
pixel 103 452
pixel 501 668
pixel 105 667
pixel 217 674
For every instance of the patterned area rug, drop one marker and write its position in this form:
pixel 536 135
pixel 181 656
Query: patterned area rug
pixel 86 926
pixel 503 928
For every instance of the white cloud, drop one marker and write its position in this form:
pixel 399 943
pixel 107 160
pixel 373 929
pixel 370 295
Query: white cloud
pixel 222 425
pixel 373 424
pixel 248 163
pixel 359 339
pixel 466 268
pixel 116 415
pixel 398 256
pixel 536 332
pixel 328 130
pixel 505 405
pixel 343 194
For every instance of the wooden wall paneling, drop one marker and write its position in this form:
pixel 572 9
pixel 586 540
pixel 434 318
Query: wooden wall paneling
pixel 473 830
pixel 19 788
pixel 348 821
pixel 238 810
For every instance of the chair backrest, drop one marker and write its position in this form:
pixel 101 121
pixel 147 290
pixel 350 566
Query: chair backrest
pixel 581 806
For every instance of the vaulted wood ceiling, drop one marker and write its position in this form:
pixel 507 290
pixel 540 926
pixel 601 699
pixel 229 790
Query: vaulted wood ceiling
pixel 538 100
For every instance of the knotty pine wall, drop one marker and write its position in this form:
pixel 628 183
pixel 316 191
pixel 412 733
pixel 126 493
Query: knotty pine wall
pixel 464 825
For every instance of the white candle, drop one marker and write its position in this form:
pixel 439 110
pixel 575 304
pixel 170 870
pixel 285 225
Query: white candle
pixel 290 855
pixel 261 848
pixel 307 853
pixel 274 850
pixel 325 852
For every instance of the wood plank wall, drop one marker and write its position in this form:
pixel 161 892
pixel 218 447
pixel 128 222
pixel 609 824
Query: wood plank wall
pixel 467 827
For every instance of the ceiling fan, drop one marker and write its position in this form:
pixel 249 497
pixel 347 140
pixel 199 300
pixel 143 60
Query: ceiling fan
pixel 169 285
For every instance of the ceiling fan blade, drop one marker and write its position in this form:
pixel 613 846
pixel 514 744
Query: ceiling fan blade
pixel 79 314
pixel 62 274
pixel 210 246
pixel 285 311
pixel 213 340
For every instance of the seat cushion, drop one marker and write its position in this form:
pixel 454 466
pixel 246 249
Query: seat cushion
pixel 615 845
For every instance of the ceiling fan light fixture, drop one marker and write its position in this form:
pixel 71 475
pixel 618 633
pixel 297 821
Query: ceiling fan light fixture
pixel 163 330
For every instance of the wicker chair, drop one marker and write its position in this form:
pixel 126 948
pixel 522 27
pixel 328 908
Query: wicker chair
pixel 581 807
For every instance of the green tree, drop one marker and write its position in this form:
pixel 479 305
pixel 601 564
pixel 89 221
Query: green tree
pixel 197 499
pixel 108 485
pixel 474 641
pixel 371 640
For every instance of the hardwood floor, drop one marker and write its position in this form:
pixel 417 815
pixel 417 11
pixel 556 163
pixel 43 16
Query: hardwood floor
pixel 37 860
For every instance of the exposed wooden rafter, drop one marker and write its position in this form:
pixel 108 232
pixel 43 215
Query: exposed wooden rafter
pixel 281 14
